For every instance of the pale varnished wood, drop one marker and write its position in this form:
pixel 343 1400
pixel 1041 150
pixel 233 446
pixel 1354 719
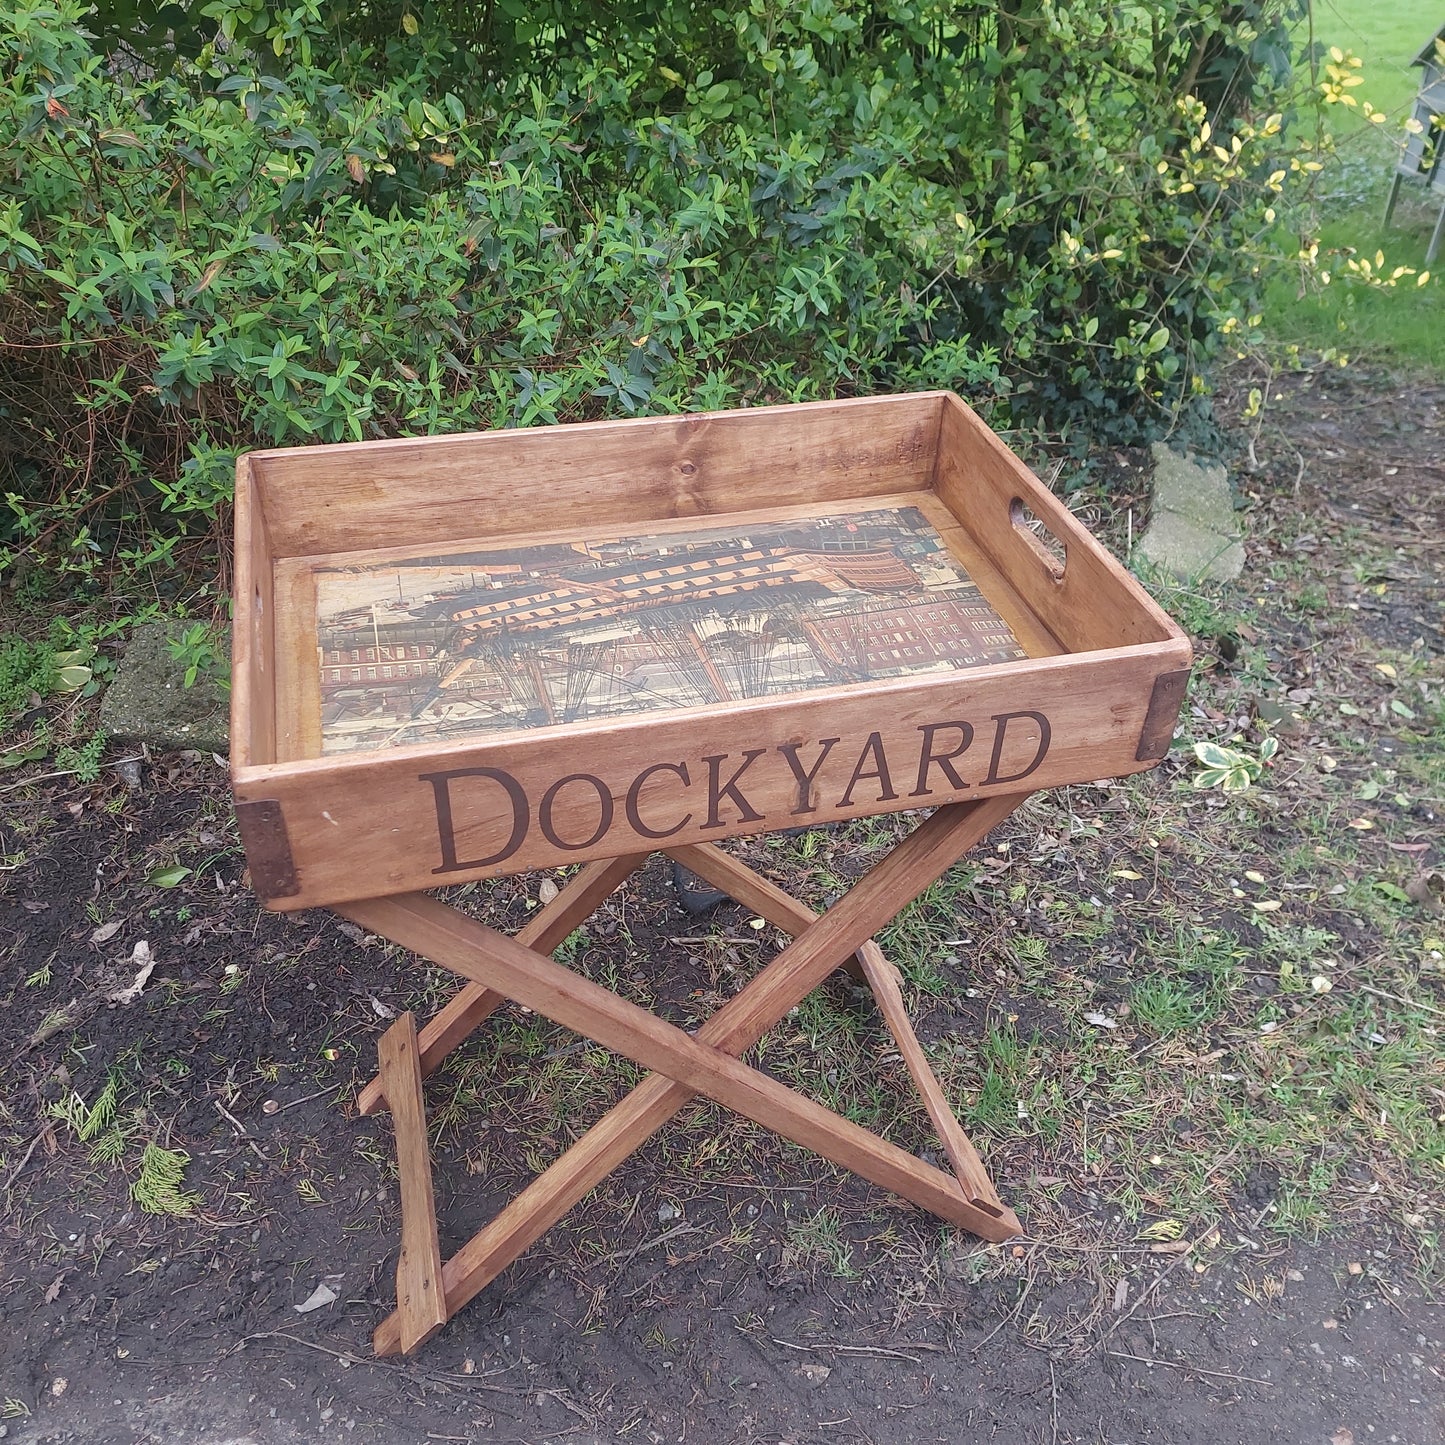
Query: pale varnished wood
pixel 420 1302
pixel 367 825
pixel 1093 699
pixel 544 931
pixel 785 912
pixel 908 871
pixel 601 474
pixel 298 671
pixel 883 979
pixel 434 931
pixel 1010 604
pixel 1096 605
pixel 253 673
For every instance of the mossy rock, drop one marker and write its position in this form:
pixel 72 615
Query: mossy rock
pixel 149 702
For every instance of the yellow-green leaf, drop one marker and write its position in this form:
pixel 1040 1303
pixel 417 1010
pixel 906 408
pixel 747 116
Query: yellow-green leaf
pixel 71 679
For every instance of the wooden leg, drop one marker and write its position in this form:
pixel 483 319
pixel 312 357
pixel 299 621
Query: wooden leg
pixel 473 1004
pixel 420 1300
pixel 435 931
pixel 785 912
pixel 884 981
pixel 752 890
pixel 915 864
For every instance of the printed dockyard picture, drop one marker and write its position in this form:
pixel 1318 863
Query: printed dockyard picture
pixel 441 647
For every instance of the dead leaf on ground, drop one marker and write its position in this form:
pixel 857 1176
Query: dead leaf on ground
pixel 145 965
pixel 321 1295
pixel 106 931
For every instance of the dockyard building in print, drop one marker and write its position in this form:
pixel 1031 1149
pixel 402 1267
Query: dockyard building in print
pixel 429 647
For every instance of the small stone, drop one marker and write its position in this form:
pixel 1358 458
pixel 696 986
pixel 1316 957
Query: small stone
pixel 1193 532
pixel 148 701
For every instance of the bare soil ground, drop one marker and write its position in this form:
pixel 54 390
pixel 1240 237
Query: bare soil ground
pixel 1195 1033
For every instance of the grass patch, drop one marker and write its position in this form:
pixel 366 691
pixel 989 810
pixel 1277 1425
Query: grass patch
pixel 1403 323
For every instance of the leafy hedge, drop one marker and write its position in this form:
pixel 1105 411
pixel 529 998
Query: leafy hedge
pixel 291 223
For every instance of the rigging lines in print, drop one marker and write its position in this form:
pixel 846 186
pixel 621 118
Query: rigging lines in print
pixel 435 648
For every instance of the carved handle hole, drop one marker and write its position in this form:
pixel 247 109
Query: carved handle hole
pixel 1041 542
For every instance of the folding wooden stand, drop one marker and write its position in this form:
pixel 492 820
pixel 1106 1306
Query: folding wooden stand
pixel 738 623
pixel 497 968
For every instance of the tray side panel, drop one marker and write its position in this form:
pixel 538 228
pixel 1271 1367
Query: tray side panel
pixel 595 474
pixel 298 682
pixel 1095 604
pixel 385 824
pixel 253 660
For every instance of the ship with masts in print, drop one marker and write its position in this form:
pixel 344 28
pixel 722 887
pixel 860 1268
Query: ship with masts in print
pixel 435 647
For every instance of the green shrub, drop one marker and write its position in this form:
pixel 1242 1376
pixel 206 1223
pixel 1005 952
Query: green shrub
pixel 280 237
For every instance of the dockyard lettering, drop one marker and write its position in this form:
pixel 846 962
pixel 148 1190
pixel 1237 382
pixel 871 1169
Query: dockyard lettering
pixel 576 812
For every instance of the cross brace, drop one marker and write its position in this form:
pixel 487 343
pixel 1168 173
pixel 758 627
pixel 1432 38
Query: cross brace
pixel 684 1065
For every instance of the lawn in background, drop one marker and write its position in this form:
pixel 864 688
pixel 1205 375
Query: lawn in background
pixel 1405 324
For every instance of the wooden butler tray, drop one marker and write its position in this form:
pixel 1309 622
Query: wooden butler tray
pixel 476 655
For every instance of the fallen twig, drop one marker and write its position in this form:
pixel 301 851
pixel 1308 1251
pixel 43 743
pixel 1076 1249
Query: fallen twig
pixel 307 1098
pixel 1153 1285
pixel 451 1377
pixel 1190 1369
pixel 64 773
pixel 1395 998
pixel 1053 1403
pixel 242 1132
pixel 879 1350
pixel 626 1257
pixel 16 1171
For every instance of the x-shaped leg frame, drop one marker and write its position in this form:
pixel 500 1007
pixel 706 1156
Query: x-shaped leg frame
pixel 430 1291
